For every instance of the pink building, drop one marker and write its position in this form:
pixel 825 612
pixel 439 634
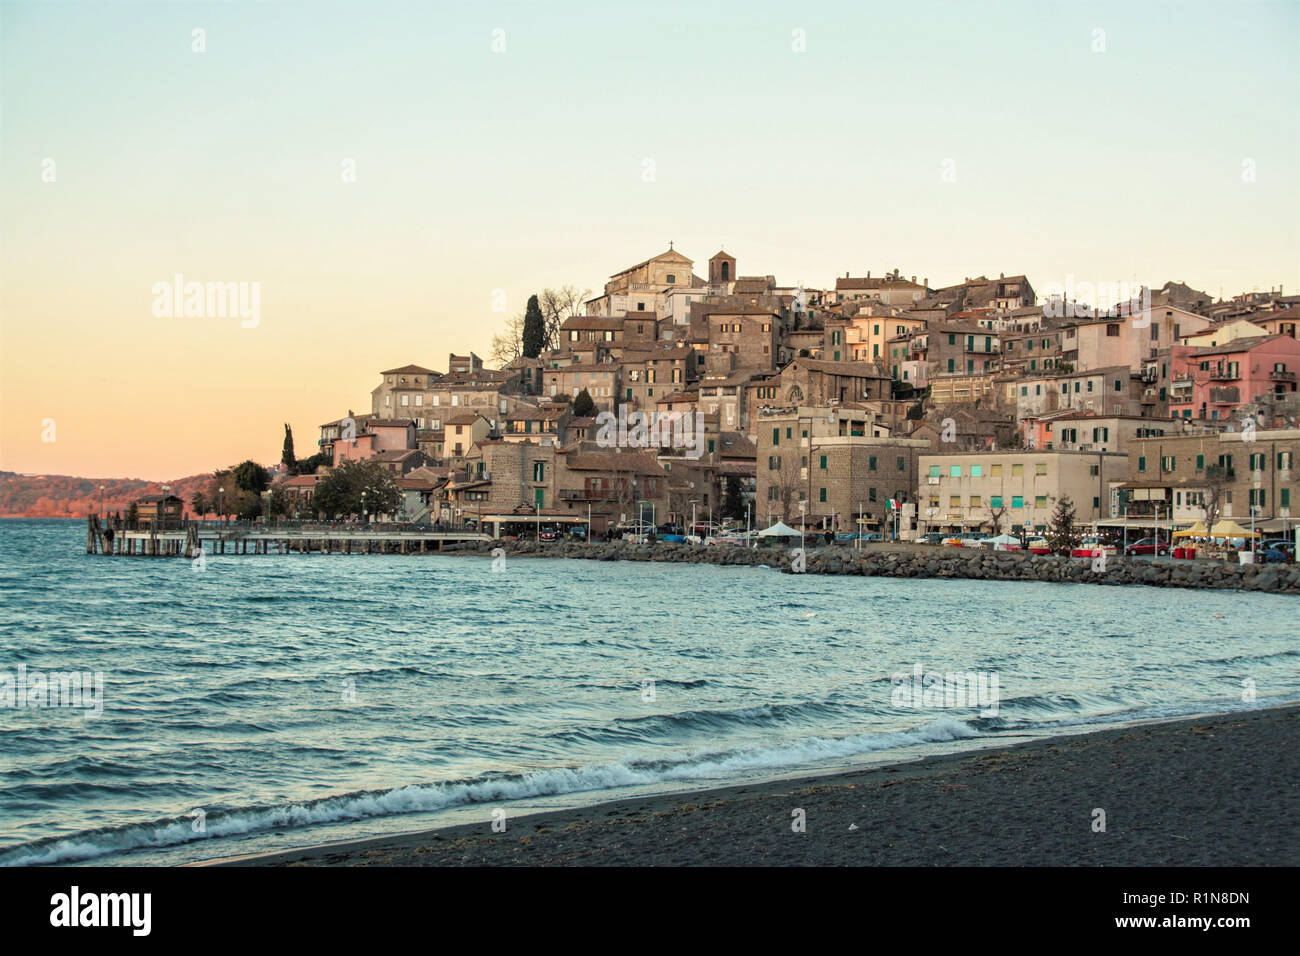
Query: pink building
pixel 386 434
pixel 1213 383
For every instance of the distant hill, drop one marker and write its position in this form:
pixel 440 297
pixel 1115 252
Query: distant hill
pixel 62 496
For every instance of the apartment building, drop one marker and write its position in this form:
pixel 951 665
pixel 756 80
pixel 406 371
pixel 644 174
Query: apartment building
pixel 839 463
pixel 1171 474
pixel 1015 490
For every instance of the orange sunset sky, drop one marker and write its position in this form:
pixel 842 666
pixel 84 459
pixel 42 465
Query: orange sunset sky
pixel 128 156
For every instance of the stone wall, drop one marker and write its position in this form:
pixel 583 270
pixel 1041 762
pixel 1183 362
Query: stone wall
pixel 935 562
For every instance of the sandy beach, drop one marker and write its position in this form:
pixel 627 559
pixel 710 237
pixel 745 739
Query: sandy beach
pixel 1210 791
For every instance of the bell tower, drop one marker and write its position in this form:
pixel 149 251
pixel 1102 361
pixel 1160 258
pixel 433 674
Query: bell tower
pixel 722 269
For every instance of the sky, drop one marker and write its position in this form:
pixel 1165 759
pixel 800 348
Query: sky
pixel 378 170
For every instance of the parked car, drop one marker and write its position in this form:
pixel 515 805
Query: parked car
pixel 931 537
pixel 1277 551
pixel 1156 546
pixel 547 534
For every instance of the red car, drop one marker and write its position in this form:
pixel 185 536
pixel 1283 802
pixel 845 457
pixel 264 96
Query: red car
pixel 1148 546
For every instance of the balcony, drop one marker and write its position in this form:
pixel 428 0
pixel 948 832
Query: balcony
pixel 1224 375
pixel 1281 375
pixel 1227 395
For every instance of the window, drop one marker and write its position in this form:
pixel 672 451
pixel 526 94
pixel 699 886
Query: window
pixel 1040 468
pixel 934 471
pixel 871 494
pixel 954 501
pixel 776 434
pixel 995 501
pixel 871 463
pixel 1040 501
pixel 1017 471
pixel 1286 498
pixel 1167 462
pixel 995 471
pixel 821 494
pixel 823 466
pixel 1017 501
pixel 1284 461
pixel 1142 463
pixel 1257 462
pixel 1200 462
pixel 539 471
pixel 954 471
pixel 902 464
pixel 1257 496
pixel 977 471
pixel 975 501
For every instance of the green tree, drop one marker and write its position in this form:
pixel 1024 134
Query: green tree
pixel 286 455
pixel 1063 535
pixel 583 406
pixel 250 476
pixel 733 504
pixel 340 493
pixel 308 466
pixel 534 329
pixel 200 504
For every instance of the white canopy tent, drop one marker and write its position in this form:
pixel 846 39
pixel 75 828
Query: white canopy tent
pixel 779 530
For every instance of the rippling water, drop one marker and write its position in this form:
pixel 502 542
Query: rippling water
pixel 269 702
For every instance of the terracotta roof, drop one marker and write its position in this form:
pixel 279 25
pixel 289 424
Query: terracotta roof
pixel 1243 344
pixel 409 370
pixel 637 462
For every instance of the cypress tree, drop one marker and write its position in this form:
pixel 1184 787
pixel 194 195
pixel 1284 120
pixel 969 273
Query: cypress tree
pixel 534 329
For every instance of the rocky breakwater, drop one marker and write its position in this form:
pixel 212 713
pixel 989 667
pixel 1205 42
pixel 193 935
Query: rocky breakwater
pixel 936 562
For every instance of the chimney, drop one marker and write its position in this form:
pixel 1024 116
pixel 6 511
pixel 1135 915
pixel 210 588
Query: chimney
pixel 868 273
pixel 913 280
pixel 1002 275
pixel 926 282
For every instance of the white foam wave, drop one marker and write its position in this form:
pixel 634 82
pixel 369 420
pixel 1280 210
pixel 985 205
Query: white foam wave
pixel 424 798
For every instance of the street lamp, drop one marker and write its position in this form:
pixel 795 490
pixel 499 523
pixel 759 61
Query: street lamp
pixel 221 500
pixel 101 502
pixel 803 507
pixel 363 507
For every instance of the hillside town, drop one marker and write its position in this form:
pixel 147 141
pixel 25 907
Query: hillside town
pixel 878 407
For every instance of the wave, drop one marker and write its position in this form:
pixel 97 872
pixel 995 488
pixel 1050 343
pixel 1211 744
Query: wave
pixel 425 798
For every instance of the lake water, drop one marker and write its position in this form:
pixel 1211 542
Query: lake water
pixel 277 701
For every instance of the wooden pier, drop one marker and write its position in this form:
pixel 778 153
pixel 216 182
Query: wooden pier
pixel 189 541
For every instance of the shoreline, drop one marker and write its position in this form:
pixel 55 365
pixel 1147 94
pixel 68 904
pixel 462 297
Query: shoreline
pixel 910 560
pixel 1217 790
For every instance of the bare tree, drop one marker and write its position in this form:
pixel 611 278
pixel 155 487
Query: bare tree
pixel 558 305
pixel 508 344
pixel 1217 482
pixel 997 515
